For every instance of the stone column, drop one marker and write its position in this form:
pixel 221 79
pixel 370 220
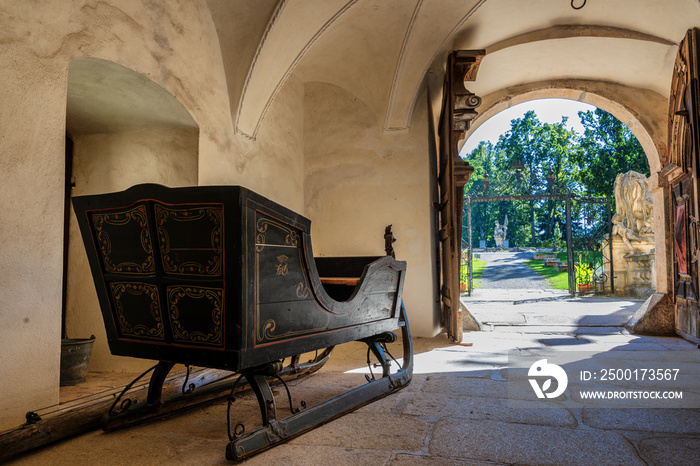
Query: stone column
pixel 663 260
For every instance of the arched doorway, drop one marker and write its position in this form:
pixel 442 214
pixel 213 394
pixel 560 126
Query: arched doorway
pixel 650 136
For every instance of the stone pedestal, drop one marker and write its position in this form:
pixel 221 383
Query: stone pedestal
pixel 634 272
pixel 506 244
pixel 482 244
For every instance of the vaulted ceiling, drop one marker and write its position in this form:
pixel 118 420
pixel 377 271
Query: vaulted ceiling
pixel 385 51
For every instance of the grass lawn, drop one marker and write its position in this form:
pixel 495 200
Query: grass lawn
pixel 557 280
pixel 478 267
pixel 589 257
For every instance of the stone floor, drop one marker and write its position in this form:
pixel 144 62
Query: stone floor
pixel 456 410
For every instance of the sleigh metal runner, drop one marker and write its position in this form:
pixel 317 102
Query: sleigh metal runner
pixel 221 277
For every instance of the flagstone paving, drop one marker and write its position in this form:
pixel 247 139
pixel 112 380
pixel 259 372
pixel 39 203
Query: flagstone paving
pixel 456 411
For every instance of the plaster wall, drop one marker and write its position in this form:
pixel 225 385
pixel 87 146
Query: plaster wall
pixel 31 218
pixel 358 180
pixel 113 162
pixel 240 25
pixel 273 164
pixel 174 44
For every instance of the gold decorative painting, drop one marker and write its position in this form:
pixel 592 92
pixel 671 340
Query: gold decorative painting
pixel 196 314
pixel 130 299
pixel 117 228
pixel 199 252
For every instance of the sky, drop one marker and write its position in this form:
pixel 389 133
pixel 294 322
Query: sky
pixel 547 110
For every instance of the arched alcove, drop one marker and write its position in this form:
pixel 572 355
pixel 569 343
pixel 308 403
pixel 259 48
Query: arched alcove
pixel 125 130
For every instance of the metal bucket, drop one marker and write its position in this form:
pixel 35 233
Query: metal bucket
pixel 75 359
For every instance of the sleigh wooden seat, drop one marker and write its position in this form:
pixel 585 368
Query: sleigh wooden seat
pixel 222 277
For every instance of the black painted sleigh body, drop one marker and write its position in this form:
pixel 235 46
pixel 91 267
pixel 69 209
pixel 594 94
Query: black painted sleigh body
pixel 224 278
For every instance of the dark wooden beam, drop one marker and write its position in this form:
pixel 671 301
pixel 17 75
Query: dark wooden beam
pixel 83 416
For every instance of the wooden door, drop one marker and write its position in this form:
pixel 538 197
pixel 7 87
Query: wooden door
pixel 682 167
pixel 453 173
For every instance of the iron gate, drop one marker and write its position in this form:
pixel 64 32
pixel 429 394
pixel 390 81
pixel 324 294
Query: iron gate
pixel 595 264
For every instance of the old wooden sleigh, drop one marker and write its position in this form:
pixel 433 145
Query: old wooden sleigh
pixel 221 277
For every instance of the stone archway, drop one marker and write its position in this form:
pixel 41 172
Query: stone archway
pixel 645 117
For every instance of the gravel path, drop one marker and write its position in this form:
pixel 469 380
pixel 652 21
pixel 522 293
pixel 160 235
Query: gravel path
pixel 508 270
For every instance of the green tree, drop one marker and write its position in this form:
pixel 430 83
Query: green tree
pixel 484 215
pixel 606 149
pixel 531 158
pixel 537 158
pixel 542 158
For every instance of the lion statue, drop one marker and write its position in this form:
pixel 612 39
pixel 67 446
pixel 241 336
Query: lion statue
pixel 634 218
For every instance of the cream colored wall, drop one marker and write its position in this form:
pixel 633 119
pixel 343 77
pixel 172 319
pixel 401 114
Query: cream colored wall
pixel 31 219
pixel 358 180
pixel 175 45
pixel 104 163
pixel 112 162
pixel 273 164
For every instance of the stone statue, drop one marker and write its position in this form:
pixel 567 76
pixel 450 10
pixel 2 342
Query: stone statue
pixel 634 219
pixel 627 234
pixel 632 239
pixel 499 233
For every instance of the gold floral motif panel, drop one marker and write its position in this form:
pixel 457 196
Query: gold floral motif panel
pixel 280 234
pixel 191 239
pixel 117 233
pixel 196 314
pixel 137 310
